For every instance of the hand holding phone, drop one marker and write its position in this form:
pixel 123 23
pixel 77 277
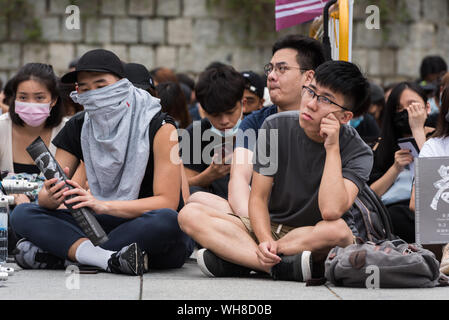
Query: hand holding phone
pixel 401 158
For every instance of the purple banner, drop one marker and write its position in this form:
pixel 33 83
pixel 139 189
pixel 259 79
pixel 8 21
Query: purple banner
pixel 293 12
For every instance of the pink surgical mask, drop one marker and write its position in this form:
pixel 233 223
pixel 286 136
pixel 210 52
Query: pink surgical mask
pixel 33 114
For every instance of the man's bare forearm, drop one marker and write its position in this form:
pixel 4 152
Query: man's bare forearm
pixel 332 195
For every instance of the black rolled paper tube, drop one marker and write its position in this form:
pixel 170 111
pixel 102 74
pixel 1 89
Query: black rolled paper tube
pixel 50 168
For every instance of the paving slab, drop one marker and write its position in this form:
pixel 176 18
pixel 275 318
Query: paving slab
pixel 59 285
pixel 189 283
pixel 438 293
pixel 186 283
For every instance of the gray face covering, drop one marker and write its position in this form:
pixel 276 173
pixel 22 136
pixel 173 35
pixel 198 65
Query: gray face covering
pixel 115 138
pixel 447 117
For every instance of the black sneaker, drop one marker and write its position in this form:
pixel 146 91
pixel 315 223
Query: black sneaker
pixel 130 260
pixel 29 256
pixel 213 266
pixel 294 268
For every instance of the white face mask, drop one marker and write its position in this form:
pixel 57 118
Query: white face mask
pixel 228 132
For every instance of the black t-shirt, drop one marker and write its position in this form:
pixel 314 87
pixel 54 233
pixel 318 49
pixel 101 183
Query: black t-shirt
pixel 26 168
pixel 69 139
pixel 195 160
pixel 297 163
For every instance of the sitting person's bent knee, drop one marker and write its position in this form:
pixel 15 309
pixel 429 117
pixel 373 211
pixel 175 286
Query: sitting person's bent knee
pixel 343 234
pixel 188 217
pixel 19 216
pixel 197 197
pixel 339 233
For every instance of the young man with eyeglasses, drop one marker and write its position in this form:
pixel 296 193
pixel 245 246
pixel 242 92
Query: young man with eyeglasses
pixel 292 65
pixel 298 213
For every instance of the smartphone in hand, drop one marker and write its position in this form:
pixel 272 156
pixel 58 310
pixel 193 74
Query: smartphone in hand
pixel 409 144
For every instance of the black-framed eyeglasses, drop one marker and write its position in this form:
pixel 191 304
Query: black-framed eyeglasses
pixel 279 68
pixel 321 100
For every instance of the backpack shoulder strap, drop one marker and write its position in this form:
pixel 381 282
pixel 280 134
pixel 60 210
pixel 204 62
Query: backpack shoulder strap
pixel 381 210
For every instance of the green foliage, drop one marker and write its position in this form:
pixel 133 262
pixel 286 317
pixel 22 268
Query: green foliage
pixel 255 17
pixel 390 12
pixel 17 10
pixel 248 7
pixel 13 8
pixel 34 31
pixel 88 8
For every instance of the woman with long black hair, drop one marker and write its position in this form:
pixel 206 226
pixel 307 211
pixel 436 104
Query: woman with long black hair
pixel 405 115
pixel 35 109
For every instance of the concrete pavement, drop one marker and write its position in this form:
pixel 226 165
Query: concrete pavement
pixel 187 283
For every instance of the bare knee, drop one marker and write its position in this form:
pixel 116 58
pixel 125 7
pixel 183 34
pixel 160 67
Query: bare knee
pixel 190 217
pixel 198 197
pixel 339 233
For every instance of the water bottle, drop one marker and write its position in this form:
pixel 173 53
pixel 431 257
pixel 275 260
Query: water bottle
pixel 4 206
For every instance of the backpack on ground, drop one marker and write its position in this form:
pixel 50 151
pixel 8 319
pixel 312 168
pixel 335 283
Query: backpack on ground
pixel 371 218
pixel 387 264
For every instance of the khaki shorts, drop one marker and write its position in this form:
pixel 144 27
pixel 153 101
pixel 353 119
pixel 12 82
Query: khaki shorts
pixel 277 230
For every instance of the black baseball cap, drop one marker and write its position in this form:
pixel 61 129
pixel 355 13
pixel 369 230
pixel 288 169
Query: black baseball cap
pixel 139 75
pixel 98 60
pixel 254 83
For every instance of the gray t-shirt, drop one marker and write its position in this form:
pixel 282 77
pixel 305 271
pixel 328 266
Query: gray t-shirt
pixel 300 164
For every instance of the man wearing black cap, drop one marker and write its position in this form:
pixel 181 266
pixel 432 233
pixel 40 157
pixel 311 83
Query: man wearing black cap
pixel 253 94
pixel 123 140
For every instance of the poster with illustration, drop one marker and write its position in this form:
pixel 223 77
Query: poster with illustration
pixel 432 200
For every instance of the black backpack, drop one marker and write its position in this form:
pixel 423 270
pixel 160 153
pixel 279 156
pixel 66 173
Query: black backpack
pixel 371 217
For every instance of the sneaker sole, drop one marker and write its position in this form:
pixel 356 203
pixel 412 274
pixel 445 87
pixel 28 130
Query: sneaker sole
pixel 202 264
pixel 22 264
pixel 138 260
pixel 306 265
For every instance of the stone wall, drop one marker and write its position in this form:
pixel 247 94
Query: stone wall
pixel 394 52
pixel 186 35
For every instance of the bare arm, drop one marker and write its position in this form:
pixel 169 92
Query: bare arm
pixel 417 114
pixel 384 183
pixel 260 220
pixel 184 184
pixel 336 194
pixel 402 158
pixel 80 175
pixel 258 206
pixel 239 191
